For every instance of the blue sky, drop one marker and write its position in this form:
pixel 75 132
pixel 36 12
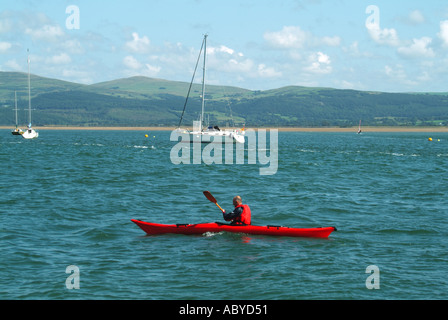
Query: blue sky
pixel 394 46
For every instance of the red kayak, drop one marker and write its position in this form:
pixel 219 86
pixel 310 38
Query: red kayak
pixel 201 228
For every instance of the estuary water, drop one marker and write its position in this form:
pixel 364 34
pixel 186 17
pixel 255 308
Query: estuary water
pixel 68 197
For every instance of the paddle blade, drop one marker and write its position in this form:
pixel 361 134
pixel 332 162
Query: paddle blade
pixel 209 196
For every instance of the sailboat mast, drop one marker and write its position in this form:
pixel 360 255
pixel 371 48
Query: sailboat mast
pixel 15 101
pixel 203 82
pixel 29 89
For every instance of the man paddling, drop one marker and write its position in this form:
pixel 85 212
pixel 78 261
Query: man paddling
pixel 241 213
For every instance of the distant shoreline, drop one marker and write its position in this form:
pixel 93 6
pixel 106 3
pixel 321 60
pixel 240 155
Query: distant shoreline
pixel 282 129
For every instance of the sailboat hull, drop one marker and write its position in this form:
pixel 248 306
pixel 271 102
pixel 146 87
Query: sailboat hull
pixel 30 134
pixel 238 138
pixel 216 137
pixel 16 132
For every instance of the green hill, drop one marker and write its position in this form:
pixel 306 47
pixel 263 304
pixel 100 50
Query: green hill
pixel 141 101
pixel 148 87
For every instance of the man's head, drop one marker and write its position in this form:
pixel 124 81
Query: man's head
pixel 237 201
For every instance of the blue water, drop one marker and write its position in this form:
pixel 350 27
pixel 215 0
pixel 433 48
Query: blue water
pixel 67 198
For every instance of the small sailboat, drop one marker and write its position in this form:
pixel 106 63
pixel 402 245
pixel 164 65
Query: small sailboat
pixel 204 135
pixel 17 131
pixel 359 128
pixel 30 133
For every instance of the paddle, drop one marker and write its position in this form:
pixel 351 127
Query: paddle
pixel 209 196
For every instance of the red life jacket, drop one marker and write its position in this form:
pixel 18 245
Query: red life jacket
pixel 245 215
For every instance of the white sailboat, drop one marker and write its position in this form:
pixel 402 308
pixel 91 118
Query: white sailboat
pixel 30 133
pixel 359 128
pixel 204 133
pixel 17 131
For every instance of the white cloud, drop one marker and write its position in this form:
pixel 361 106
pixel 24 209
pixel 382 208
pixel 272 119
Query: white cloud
pixel 223 62
pixel 78 75
pixel 265 72
pixel 137 44
pixel 137 68
pixel 223 49
pixel 398 74
pixel 416 17
pixel 151 71
pixel 45 33
pixel 234 65
pixel 331 41
pixel 443 34
pixel 354 51
pixel 344 84
pixel 418 49
pixel 13 65
pixel 5 46
pixel 74 46
pixel 319 63
pixel 62 58
pixel 383 36
pixel 289 37
pixel 293 37
pixel 424 77
pixel 132 63
pixel 226 59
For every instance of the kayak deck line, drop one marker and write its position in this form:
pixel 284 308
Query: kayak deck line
pixel 238 225
pixel 201 228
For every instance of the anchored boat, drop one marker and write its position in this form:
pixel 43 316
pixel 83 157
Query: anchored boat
pixel 203 133
pixel 30 133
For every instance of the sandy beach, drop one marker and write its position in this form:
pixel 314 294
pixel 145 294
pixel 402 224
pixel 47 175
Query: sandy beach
pixel 322 129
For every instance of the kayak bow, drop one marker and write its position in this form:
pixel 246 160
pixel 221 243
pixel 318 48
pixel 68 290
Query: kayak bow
pixel 201 228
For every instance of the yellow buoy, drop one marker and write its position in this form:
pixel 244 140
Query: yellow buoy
pixel 146 136
pixel 429 139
